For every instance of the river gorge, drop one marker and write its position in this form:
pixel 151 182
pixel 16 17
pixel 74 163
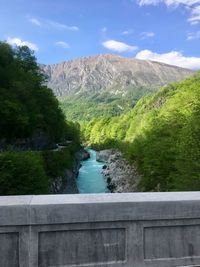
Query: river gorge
pixel 106 171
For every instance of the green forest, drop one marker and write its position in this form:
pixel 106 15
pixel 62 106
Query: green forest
pixel 161 135
pixel 31 124
pixel 86 107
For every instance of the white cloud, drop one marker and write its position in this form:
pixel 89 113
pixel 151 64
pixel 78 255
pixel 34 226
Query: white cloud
pixel 193 35
pixel 148 2
pixel 104 29
pixel 146 35
pixel 61 26
pixel 35 21
pixel 168 2
pixel 195 15
pixel 127 32
pixel 118 46
pixel 53 24
pixel 194 20
pixel 193 6
pixel 172 58
pixel 63 44
pixel 19 42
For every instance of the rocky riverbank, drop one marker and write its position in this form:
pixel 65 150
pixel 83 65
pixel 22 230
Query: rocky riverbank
pixel 66 184
pixel 120 174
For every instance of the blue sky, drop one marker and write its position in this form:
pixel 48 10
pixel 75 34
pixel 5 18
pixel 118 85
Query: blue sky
pixel 59 30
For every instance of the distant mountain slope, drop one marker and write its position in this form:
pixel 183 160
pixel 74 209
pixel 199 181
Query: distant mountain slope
pixel 109 73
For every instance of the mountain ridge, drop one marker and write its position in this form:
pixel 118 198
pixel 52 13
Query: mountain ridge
pixel 109 73
pixel 112 55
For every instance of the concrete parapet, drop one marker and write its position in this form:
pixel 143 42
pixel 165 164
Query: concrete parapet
pixel 97 230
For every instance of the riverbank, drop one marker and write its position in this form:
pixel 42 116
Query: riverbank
pixel 121 176
pixel 70 176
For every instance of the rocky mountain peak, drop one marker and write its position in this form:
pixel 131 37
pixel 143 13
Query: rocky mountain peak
pixel 109 73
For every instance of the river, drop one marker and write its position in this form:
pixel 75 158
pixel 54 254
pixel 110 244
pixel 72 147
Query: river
pixel 90 179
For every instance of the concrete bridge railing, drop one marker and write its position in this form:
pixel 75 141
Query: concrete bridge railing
pixel 136 230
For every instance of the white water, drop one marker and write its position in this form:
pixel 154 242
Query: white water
pixel 90 179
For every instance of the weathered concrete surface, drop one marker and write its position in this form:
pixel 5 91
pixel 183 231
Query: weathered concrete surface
pixel 134 230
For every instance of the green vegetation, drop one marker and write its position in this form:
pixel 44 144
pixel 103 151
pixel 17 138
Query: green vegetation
pixel 30 119
pixel 86 107
pixel 56 162
pixel 161 134
pixel 22 173
pixel 28 108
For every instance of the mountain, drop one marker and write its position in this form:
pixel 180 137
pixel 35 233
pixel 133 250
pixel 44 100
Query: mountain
pixel 106 85
pixel 109 73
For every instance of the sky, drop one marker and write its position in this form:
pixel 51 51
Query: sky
pixel 58 30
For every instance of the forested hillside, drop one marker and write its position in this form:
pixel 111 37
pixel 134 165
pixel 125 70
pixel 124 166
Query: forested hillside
pixel 87 107
pixel 28 108
pixel 161 135
pixel 31 123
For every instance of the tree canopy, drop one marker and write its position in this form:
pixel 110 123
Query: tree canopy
pixel 30 113
pixel 28 107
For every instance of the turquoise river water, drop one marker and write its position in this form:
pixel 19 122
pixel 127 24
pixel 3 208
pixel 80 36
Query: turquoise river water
pixel 90 179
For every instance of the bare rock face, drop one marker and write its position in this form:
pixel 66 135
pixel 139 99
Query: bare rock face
pixel 82 154
pixel 104 155
pixel 120 174
pixel 109 73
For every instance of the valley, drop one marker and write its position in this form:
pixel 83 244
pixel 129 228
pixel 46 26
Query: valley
pixel 149 117
pixel 146 114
